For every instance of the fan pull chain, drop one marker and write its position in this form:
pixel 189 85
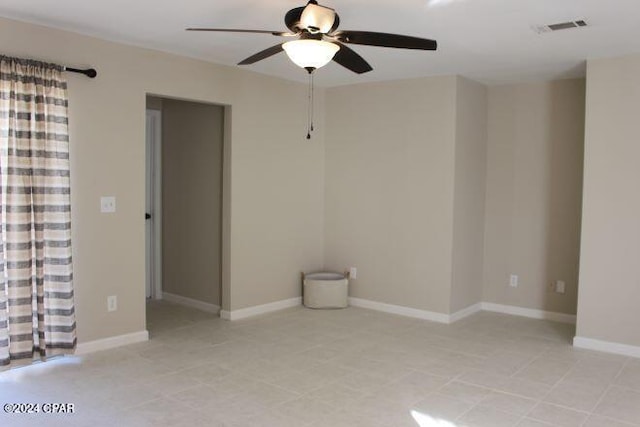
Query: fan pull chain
pixel 310 106
pixel 312 98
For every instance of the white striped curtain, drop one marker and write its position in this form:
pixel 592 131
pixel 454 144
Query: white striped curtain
pixel 36 280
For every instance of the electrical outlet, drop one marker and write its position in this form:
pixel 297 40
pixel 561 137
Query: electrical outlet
pixel 353 273
pixel 107 204
pixel 513 280
pixel 112 303
pixel 560 287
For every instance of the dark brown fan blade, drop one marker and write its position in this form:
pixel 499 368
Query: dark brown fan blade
pixel 262 55
pixel 234 30
pixel 292 18
pixel 349 59
pixel 384 40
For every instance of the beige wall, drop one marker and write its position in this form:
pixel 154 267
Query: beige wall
pixel 533 201
pixel 395 191
pixel 275 176
pixel 609 296
pixel 469 194
pixel 389 189
pixel 192 135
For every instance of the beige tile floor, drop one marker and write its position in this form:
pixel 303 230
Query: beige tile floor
pixel 335 368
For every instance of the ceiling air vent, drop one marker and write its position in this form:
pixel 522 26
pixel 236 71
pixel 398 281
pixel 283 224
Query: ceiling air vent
pixel 560 26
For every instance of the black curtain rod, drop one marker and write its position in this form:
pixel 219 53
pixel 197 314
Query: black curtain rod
pixel 89 72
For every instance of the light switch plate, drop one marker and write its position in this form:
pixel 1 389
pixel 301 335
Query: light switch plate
pixel 107 204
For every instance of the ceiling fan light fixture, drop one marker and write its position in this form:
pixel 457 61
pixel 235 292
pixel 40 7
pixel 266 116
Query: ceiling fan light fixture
pixel 310 54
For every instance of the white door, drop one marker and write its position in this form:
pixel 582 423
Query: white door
pixel 153 213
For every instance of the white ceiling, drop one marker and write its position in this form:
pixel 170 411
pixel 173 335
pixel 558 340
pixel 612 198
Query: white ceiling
pixel 487 40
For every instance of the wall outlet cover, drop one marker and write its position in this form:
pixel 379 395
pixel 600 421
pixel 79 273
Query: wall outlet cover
pixel 513 280
pixel 112 303
pixel 107 204
pixel 353 273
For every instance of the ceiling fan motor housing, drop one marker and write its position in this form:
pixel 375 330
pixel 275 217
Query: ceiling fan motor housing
pixel 317 19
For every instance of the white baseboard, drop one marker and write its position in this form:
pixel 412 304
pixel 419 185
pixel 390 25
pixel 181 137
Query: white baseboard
pixel 356 302
pixel 111 342
pixel 256 310
pixel 399 310
pixel 190 302
pixel 529 312
pixel 606 346
pixel 465 312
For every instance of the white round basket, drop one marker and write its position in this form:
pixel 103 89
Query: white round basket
pixel 325 290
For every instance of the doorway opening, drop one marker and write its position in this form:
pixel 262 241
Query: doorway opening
pixel 184 211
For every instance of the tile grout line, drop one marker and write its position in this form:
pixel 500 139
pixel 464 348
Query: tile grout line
pixel 553 387
pixel 538 401
pixel 535 358
pixel 608 389
pixel 589 412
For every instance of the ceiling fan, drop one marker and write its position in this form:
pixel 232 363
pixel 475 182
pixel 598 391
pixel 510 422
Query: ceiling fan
pixel 318 41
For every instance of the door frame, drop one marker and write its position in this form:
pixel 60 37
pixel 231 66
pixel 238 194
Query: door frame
pixel 225 288
pixel 154 119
